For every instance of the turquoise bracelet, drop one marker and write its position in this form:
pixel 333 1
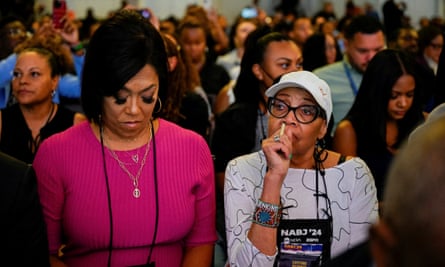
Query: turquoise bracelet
pixel 267 214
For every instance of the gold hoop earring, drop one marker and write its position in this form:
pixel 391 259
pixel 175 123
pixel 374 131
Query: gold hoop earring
pixel 160 106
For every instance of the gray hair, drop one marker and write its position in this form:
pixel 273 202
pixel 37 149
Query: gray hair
pixel 414 198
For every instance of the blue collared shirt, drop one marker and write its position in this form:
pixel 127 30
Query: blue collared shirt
pixel 343 94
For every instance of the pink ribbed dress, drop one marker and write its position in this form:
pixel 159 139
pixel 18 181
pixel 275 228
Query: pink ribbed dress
pixel 73 193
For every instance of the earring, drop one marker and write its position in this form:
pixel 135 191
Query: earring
pixel 320 148
pixel 99 120
pixel 53 92
pixel 320 144
pixel 160 106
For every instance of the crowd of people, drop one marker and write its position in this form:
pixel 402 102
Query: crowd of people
pixel 279 139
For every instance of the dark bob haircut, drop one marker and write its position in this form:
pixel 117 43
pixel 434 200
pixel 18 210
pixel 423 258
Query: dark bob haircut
pixel 118 50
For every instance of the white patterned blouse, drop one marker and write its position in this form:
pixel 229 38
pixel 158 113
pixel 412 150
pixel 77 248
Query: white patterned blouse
pixel 350 190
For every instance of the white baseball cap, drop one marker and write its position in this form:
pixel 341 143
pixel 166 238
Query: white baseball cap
pixel 308 81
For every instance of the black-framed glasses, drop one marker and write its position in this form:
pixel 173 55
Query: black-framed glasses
pixel 409 38
pixel 15 31
pixel 436 46
pixel 304 114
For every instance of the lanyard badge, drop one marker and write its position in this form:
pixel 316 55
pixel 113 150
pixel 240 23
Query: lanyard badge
pixel 304 242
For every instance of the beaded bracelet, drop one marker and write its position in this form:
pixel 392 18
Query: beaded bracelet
pixel 267 214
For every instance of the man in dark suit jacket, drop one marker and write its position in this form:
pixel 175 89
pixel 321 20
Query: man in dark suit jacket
pixel 22 228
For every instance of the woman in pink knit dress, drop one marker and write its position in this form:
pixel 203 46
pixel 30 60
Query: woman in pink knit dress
pixel 127 188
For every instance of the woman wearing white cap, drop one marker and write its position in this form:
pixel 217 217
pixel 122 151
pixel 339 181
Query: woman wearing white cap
pixel 294 202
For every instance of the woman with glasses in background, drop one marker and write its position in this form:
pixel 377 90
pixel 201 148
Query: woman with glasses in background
pixel 431 41
pixel 430 45
pixel 294 201
pixel 12 33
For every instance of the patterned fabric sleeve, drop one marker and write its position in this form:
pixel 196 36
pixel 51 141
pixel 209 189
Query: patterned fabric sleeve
pixel 364 204
pixel 239 207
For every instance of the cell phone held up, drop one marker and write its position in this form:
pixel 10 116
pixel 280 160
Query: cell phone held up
pixel 59 12
pixel 249 12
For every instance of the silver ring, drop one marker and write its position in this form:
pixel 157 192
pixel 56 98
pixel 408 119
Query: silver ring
pixel 276 138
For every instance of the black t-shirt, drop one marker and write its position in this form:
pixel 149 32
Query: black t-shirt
pixel 235 134
pixel 16 136
pixel 213 78
pixel 195 114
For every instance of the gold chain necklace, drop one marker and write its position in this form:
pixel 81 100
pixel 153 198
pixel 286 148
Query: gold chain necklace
pixel 134 178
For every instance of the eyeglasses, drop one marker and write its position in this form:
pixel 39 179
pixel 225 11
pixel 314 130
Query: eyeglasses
pixel 409 38
pixel 330 47
pixel 436 46
pixel 15 31
pixel 304 114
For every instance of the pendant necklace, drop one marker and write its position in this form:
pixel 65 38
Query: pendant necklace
pixel 135 158
pixel 134 178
